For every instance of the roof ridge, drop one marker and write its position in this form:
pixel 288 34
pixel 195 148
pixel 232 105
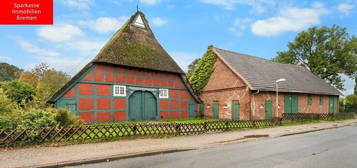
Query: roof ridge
pixel 260 58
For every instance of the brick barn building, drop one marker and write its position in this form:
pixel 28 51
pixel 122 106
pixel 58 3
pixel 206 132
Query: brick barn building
pixel 132 78
pixel 243 87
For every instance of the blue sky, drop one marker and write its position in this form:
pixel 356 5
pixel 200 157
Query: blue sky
pixel 184 27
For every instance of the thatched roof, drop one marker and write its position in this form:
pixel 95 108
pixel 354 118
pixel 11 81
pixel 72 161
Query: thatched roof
pixel 136 46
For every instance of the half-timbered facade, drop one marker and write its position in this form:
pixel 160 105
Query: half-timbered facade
pixel 131 79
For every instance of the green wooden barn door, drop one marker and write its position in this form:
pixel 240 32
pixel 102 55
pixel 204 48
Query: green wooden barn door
pixel 135 108
pixel 202 109
pixel 294 103
pixel 215 110
pixel 235 110
pixel 291 103
pixel 287 103
pixel 268 109
pixel 149 106
pixel 333 104
pixel 192 109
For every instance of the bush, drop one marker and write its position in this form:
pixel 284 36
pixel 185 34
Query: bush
pixel 38 118
pixel 64 117
pixel 19 92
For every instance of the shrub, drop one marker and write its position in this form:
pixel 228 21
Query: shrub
pixel 19 92
pixel 38 118
pixel 64 117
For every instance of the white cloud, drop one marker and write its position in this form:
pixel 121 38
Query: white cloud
pixel 59 33
pixel 104 24
pixel 258 6
pixel 289 19
pixel 345 8
pixel 157 21
pixel 150 2
pixel 80 4
pixel 183 59
pixel 239 25
pixel 4 58
pixel 27 46
pixel 85 47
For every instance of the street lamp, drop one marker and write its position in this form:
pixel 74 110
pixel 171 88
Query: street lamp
pixel 277 96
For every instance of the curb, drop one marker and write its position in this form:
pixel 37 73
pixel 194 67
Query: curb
pixel 119 157
pixel 108 158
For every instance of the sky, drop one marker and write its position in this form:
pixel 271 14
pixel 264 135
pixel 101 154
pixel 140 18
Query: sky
pixel 183 27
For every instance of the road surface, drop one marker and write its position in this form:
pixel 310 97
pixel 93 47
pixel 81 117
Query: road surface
pixel 334 148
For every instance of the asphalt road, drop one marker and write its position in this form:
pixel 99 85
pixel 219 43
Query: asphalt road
pixel 334 148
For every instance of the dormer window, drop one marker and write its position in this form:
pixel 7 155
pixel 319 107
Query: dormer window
pixel 139 22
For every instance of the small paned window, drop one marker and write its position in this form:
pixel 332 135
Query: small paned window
pixel 119 90
pixel 309 99
pixel 164 93
pixel 321 100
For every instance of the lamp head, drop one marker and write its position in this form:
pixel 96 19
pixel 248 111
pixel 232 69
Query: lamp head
pixel 280 80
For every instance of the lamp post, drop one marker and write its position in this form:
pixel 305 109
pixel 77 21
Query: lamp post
pixel 277 96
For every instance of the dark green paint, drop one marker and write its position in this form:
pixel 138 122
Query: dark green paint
pixel 235 110
pixel 333 104
pixel 290 103
pixel 202 109
pixel 268 109
pixel 142 106
pixel 216 110
pixel 192 110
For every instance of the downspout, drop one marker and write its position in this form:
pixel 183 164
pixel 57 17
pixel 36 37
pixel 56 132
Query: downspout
pixel 252 104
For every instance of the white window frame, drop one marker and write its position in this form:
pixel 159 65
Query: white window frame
pixel 117 90
pixel 163 93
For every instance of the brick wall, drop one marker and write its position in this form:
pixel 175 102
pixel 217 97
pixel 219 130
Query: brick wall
pixel 224 87
pixel 258 104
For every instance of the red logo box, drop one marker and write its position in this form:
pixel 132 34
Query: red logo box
pixel 26 12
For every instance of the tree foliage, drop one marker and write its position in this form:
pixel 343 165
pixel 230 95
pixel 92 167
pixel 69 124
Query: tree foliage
pixel 45 79
pixel 8 72
pixel 191 67
pixel 351 102
pixel 203 70
pixel 328 52
pixel 19 92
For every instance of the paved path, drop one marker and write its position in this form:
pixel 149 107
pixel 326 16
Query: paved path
pixel 84 152
pixel 334 148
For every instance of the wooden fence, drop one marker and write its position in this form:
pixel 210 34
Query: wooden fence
pixel 91 133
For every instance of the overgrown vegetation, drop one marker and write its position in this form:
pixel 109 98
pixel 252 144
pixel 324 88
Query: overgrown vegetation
pixel 203 70
pixel 23 100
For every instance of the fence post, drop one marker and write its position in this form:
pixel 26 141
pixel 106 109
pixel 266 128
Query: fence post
pixel 178 131
pixel 227 125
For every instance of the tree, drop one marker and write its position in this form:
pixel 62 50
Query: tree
pixel 8 72
pixel 351 102
pixel 327 52
pixel 19 92
pixel 50 83
pixel 203 70
pixel 191 67
pixel 45 79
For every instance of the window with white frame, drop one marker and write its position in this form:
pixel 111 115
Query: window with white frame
pixel 164 93
pixel 119 90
